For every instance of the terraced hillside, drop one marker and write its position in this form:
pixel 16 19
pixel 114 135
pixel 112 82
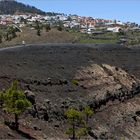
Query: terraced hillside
pixel 104 77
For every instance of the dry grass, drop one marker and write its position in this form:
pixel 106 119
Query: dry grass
pixel 30 37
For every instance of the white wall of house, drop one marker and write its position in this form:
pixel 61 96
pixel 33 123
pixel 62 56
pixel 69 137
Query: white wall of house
pixel 114 29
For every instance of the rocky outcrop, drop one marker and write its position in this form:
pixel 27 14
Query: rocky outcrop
pixel 105 82
pixel 30 96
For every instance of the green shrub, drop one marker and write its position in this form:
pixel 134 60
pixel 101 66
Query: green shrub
pixel 75 82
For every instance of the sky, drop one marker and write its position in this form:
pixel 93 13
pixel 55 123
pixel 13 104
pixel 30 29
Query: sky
pixel 123 10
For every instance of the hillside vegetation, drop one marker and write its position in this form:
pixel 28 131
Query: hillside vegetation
pixel 12 7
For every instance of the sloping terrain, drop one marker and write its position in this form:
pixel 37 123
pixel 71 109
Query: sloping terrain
pixel 104 77
pixel 30 37
pixel 12 7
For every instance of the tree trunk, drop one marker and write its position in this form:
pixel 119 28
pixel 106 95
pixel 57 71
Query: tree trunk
pixel 35 108
pixel 16 122
pixel 73 129
pixel 87 119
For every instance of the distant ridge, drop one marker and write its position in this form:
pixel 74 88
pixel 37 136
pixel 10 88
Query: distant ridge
pixel 12 7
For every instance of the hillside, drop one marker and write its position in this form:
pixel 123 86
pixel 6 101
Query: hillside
pixel 12 7
pixel 53 36
pixel 108 81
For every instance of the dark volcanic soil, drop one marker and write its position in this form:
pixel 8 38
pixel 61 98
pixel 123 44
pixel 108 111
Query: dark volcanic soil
pixel 97 68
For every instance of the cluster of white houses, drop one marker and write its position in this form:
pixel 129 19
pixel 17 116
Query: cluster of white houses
pixel 84 24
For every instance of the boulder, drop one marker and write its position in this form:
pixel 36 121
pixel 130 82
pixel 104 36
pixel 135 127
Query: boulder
pixel 30 96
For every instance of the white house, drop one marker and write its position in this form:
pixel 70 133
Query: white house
pixel 3 22
pixel 62 17
pixel 47 17
pixel 84 26
pixel 113 29
pixel 89 31
pixel 74 24
pixel 91 26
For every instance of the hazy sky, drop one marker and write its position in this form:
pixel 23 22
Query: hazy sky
pixel 124 10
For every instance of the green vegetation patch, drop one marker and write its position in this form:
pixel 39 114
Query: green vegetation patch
pixel 98 41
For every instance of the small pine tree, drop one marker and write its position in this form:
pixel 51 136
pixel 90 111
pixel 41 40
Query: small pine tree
pixel 13 33
pixel 7 36
pixel 59 28
pixel 78 122
pixel 38 32
pixel 15 102
pixel 1 38
pixel 10 33
pixel 74 118
pixel 38 28
pixel 48 27
pixel 88 112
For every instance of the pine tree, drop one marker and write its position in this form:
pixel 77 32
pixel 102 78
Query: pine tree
pixel 48 28
pixel 74 118
pixel 88 112
pixel 38 28
pixel 10 32
pixel 1 38
pixel 38 32
pixel 59 28
pixel 7 36
pixel 15 102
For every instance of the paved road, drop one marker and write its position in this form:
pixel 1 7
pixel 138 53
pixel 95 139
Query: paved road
pixel 64 45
